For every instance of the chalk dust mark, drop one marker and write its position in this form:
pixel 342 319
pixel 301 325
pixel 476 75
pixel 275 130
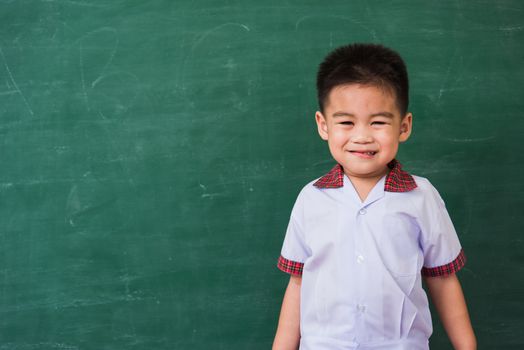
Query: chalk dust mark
pixel 442 87
pixel 73 204
pixel 327 161
pixel 466 139
pixel 199 40
pixel 344 18
pixel 113 52
pixel 78 3
pixel 469 217
pixel 102 72
pixel 83 80
pixel 371 17
pixel 205 194
pixel 446 78
pixel 93 32
pixel 97 80
pixel 13 82
pixel 75 208
pixel 41 345
pixel 211 31
pixel 511 28
pixel 105 76
pixel 111 56
pixel 114 147
pixel 130 98
pixel 10 92
pixel 213 195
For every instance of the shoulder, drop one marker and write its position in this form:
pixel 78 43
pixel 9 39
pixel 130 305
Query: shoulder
pixel 312 197
pixel 423 184
pixel 309 190
pixel 425 188
pixel 425 198
pixel 423 193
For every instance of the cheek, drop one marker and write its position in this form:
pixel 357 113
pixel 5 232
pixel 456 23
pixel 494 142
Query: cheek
pixel 338 133
pixel 391 144
pixel 338 138
pixel 388 137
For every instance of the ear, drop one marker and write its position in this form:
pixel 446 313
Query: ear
pixel 406 125
pixel 321 125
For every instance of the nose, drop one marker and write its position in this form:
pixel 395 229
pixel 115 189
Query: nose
pixel 361 135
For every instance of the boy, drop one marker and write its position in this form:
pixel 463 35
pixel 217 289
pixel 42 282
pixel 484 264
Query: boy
pixel 361 236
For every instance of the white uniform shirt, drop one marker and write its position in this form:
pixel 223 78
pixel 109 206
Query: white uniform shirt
pixel 361 262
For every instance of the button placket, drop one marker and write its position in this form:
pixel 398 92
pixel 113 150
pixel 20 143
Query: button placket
pixel 360 260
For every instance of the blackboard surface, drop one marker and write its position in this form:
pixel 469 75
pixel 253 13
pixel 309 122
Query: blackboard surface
pixel 150 153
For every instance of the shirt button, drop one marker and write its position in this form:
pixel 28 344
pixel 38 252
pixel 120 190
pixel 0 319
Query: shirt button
pixel 362 211
pixel 360 259
pixel 361 308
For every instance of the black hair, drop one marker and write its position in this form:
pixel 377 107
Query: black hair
pixel 366 64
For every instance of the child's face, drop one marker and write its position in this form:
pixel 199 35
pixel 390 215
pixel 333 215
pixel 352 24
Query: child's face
pixel 363 127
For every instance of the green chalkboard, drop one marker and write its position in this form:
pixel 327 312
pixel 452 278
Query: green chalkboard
pixel 151 151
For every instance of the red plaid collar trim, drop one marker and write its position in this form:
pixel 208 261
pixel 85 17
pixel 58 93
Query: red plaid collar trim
pixel 397 179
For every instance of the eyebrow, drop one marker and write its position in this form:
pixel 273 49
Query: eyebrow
pixel 342 114
pixel 383 114
pixel 379 114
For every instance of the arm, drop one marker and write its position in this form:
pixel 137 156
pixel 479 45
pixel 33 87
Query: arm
pixel 448 298
pixel 288 331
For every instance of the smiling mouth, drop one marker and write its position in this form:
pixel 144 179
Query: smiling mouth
pixel 367 153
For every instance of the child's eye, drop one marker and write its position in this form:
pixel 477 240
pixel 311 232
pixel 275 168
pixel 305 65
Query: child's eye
pixel 346 123
pixel 378 123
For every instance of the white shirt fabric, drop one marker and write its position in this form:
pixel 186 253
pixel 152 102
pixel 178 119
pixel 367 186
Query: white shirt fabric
pixel 361 282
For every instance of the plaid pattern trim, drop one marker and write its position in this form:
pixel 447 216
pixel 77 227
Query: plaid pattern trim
pixel 448 269
pixel 397 180
pixel 333 179
pixel 289 266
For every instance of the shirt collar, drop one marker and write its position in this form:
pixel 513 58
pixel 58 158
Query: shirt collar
pixel 397 179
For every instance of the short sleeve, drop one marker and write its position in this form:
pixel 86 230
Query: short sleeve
pixel 443 254
pixel 294 250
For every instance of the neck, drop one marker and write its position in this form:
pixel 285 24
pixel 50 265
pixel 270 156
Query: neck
pixel 363 186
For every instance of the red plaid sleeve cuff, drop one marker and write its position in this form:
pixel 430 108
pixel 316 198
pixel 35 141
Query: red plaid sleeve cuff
pixel 448 269
pixel 289 266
